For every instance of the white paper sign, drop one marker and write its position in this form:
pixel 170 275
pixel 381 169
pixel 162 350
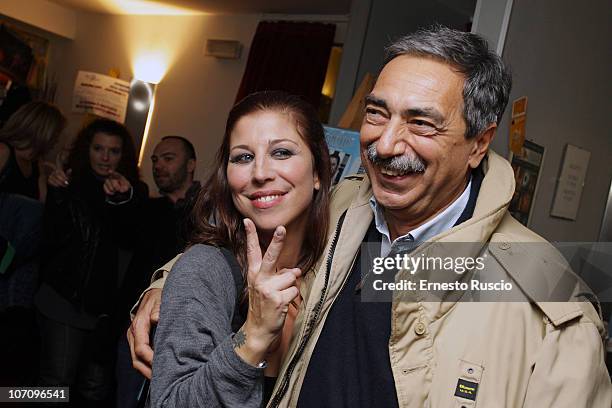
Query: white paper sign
pixel 101 95
pixel 571 182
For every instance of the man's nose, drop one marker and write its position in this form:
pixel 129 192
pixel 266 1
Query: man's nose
pixel 262 170
pixel 105 155
pixel 392 141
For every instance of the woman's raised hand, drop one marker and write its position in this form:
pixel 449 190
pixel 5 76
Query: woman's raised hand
pixel 270 293
pixel 57 176
pixel 116 183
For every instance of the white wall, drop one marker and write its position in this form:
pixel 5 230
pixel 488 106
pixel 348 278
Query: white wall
pixel 559 52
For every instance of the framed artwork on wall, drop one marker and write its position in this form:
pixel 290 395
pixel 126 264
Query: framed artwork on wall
pixel 527 168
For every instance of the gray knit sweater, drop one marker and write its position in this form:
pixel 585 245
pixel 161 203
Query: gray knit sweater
pixel 195 364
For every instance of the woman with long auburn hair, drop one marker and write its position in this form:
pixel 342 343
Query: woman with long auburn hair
pixel 226 319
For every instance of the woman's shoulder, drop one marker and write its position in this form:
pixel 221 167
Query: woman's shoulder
pixel 204 262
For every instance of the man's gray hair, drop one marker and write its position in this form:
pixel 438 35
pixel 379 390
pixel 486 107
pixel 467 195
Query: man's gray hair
pixel 487 79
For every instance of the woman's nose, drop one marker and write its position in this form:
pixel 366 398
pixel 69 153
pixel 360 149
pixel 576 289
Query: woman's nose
pixel 262 171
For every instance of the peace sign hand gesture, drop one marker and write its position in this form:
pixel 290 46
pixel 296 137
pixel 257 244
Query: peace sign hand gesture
pixel 270 293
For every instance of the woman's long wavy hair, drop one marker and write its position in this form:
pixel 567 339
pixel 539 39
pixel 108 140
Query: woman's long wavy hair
pixel 215 218
pixel 78 158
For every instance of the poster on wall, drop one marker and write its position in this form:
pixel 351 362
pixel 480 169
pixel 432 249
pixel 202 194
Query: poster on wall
pixel 343 152
pixel 101 95
pixel 517 125
pixel 527 168
pixel 571 182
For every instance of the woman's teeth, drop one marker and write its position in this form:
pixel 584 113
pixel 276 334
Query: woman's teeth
pixel 266 199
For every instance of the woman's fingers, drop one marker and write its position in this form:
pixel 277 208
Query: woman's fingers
pixel 58 179
pixel 108 188
pixel 118 182
pixel 253 249
pixel 280 281
pixel 270 258
pixel 288 295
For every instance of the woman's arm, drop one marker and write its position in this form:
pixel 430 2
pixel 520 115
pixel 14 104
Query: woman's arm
pixel 195 363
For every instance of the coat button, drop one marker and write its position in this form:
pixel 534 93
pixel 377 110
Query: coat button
pixel 504 245
pixel 419 329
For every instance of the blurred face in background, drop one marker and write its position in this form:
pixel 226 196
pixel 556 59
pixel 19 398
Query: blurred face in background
pixel 172 168
pixel 105 153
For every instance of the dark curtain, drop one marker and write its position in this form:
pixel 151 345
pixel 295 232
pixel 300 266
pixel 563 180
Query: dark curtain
pixel 288 56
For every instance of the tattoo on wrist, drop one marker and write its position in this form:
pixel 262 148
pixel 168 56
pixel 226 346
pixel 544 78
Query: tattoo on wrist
pixel 239 339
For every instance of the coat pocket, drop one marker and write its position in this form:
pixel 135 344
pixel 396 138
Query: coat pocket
pixel 469 377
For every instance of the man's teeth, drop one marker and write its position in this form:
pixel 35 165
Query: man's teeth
pixel 393 172
pixel 266 199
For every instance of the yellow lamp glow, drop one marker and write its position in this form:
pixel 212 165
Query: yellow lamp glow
pixel 150 66
pixel 147 7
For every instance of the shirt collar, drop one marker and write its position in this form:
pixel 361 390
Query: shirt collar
pixel 440 223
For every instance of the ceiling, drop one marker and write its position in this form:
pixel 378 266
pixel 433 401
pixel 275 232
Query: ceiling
pixel 331 7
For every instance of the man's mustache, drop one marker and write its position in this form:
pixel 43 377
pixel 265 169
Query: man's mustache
pixel 401 164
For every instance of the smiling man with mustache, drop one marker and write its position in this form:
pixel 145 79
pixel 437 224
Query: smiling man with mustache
pixel 431 178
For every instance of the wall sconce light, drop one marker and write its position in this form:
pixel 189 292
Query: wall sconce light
pixel 141 101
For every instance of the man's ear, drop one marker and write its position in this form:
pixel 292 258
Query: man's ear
pixel 481 145
pixel 191 165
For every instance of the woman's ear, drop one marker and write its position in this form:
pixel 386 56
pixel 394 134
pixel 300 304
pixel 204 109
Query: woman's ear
pixel 317 183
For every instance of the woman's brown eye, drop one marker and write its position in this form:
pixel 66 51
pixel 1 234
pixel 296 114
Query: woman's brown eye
pixel 282 153
pixel 241 158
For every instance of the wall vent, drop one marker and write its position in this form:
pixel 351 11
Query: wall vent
pixel 228 49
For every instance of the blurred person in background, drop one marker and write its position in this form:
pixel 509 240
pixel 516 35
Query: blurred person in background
pixel 20 234
pixel 165 227
pixel 90 223
pixel 30 133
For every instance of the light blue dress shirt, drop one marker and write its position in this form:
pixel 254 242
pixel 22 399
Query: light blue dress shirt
pixel 440 223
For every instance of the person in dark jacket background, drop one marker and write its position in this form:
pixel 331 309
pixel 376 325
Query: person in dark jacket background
pixel 164 230
pixel 90 220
